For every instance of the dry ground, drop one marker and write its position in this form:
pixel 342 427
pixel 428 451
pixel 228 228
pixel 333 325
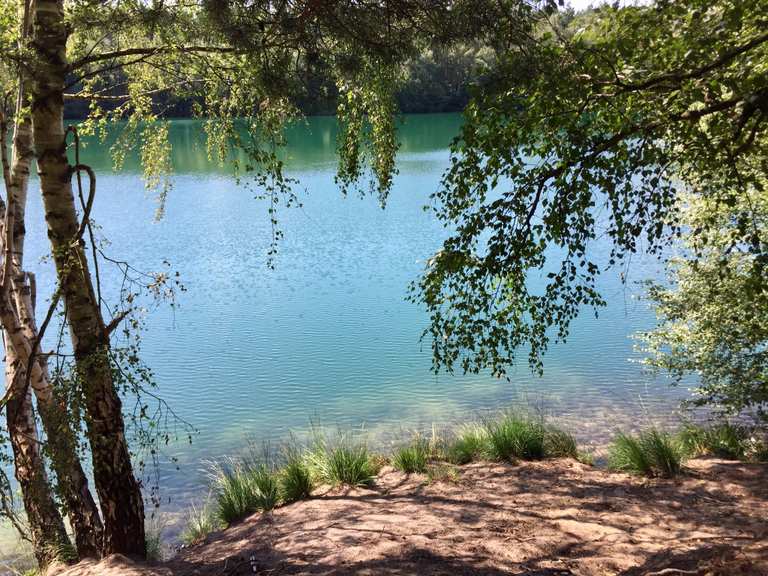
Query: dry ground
pixel 552 518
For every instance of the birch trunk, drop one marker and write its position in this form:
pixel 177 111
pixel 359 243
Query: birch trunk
pixel 118 491
pixel 81 508
pixel 73 483
pixel 45 524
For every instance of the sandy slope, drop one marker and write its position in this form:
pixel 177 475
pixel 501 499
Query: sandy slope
pixel 542 518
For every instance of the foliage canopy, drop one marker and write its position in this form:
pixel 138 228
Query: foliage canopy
pixel 594 132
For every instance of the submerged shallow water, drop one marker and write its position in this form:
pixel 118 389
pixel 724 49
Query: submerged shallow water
pixel 253 353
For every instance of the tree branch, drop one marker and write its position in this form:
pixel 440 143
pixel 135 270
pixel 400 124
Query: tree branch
pixel 154 51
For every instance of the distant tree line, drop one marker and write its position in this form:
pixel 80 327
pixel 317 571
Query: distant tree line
pixel 438 80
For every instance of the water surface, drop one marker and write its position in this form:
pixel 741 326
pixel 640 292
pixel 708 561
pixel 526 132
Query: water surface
pixel 327 335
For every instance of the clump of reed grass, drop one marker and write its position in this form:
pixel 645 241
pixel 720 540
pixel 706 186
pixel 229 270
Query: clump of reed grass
pixel 200 522
pixel 153 539
pixel 515 437
pixel 470 443
pixel 242 488
pixel 413 457
pixel 560 444
pixel 650 453
pixel 724 440
pixel 295 477
pixel 344 461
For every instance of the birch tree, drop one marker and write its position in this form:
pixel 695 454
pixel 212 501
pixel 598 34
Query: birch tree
pixel 241 62
pixel 18 297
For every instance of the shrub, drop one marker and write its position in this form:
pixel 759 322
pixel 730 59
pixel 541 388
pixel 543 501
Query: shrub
pixel 413 457
pixel 515 437
pixel 295 478
pixel 200 523
pixel 342 462
pixel 651 453
pixel 559 443
pixel 470 444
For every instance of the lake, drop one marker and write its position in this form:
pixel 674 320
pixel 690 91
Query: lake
pixel 253 353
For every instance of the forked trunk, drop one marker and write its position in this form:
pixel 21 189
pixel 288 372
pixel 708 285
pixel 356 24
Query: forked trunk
pixel 81 508
pixel 73 483
pixel 46 527
pixel 118 491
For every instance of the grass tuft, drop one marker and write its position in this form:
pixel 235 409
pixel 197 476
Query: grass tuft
pixel 442 473
pixel 723 440
pixel 153 539
pixel 242 489
pixel 413 457
pixel 295 478
pixel 560 444
pixel 650 453
pixel 471 443
pixel 514 437
pixel 342 462
pixel 200 523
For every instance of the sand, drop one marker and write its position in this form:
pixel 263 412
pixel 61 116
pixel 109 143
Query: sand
pixel 552 518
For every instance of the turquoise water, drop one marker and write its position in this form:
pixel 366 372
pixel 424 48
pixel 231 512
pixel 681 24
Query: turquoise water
pixel 253 353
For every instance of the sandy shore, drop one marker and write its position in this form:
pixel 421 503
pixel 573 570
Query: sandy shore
pixel 552 518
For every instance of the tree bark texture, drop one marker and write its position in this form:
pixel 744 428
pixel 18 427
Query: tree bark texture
pixel 119 492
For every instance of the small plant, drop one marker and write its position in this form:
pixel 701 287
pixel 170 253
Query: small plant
pixel 586 458
pixel 559 444
pixel 295 478
pixel 242 489
pixel 342 462
pixel 413 457
pixel 153 539
pixel 265 487
pixel 627 455
pixel 200 523
pixel 470 444
pixel 724 440
pixel 442 473
pixel 651 453
pixel 514 437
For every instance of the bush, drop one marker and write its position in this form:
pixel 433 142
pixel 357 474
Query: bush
pixel 242 489
pixel 470 444
pixel 342 462
pixel 651 453
pixel 412 458
pixel 295 478
pixel 200 523
pixel 515 437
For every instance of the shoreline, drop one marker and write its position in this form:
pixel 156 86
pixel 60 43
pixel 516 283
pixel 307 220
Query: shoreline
pixel 553 517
